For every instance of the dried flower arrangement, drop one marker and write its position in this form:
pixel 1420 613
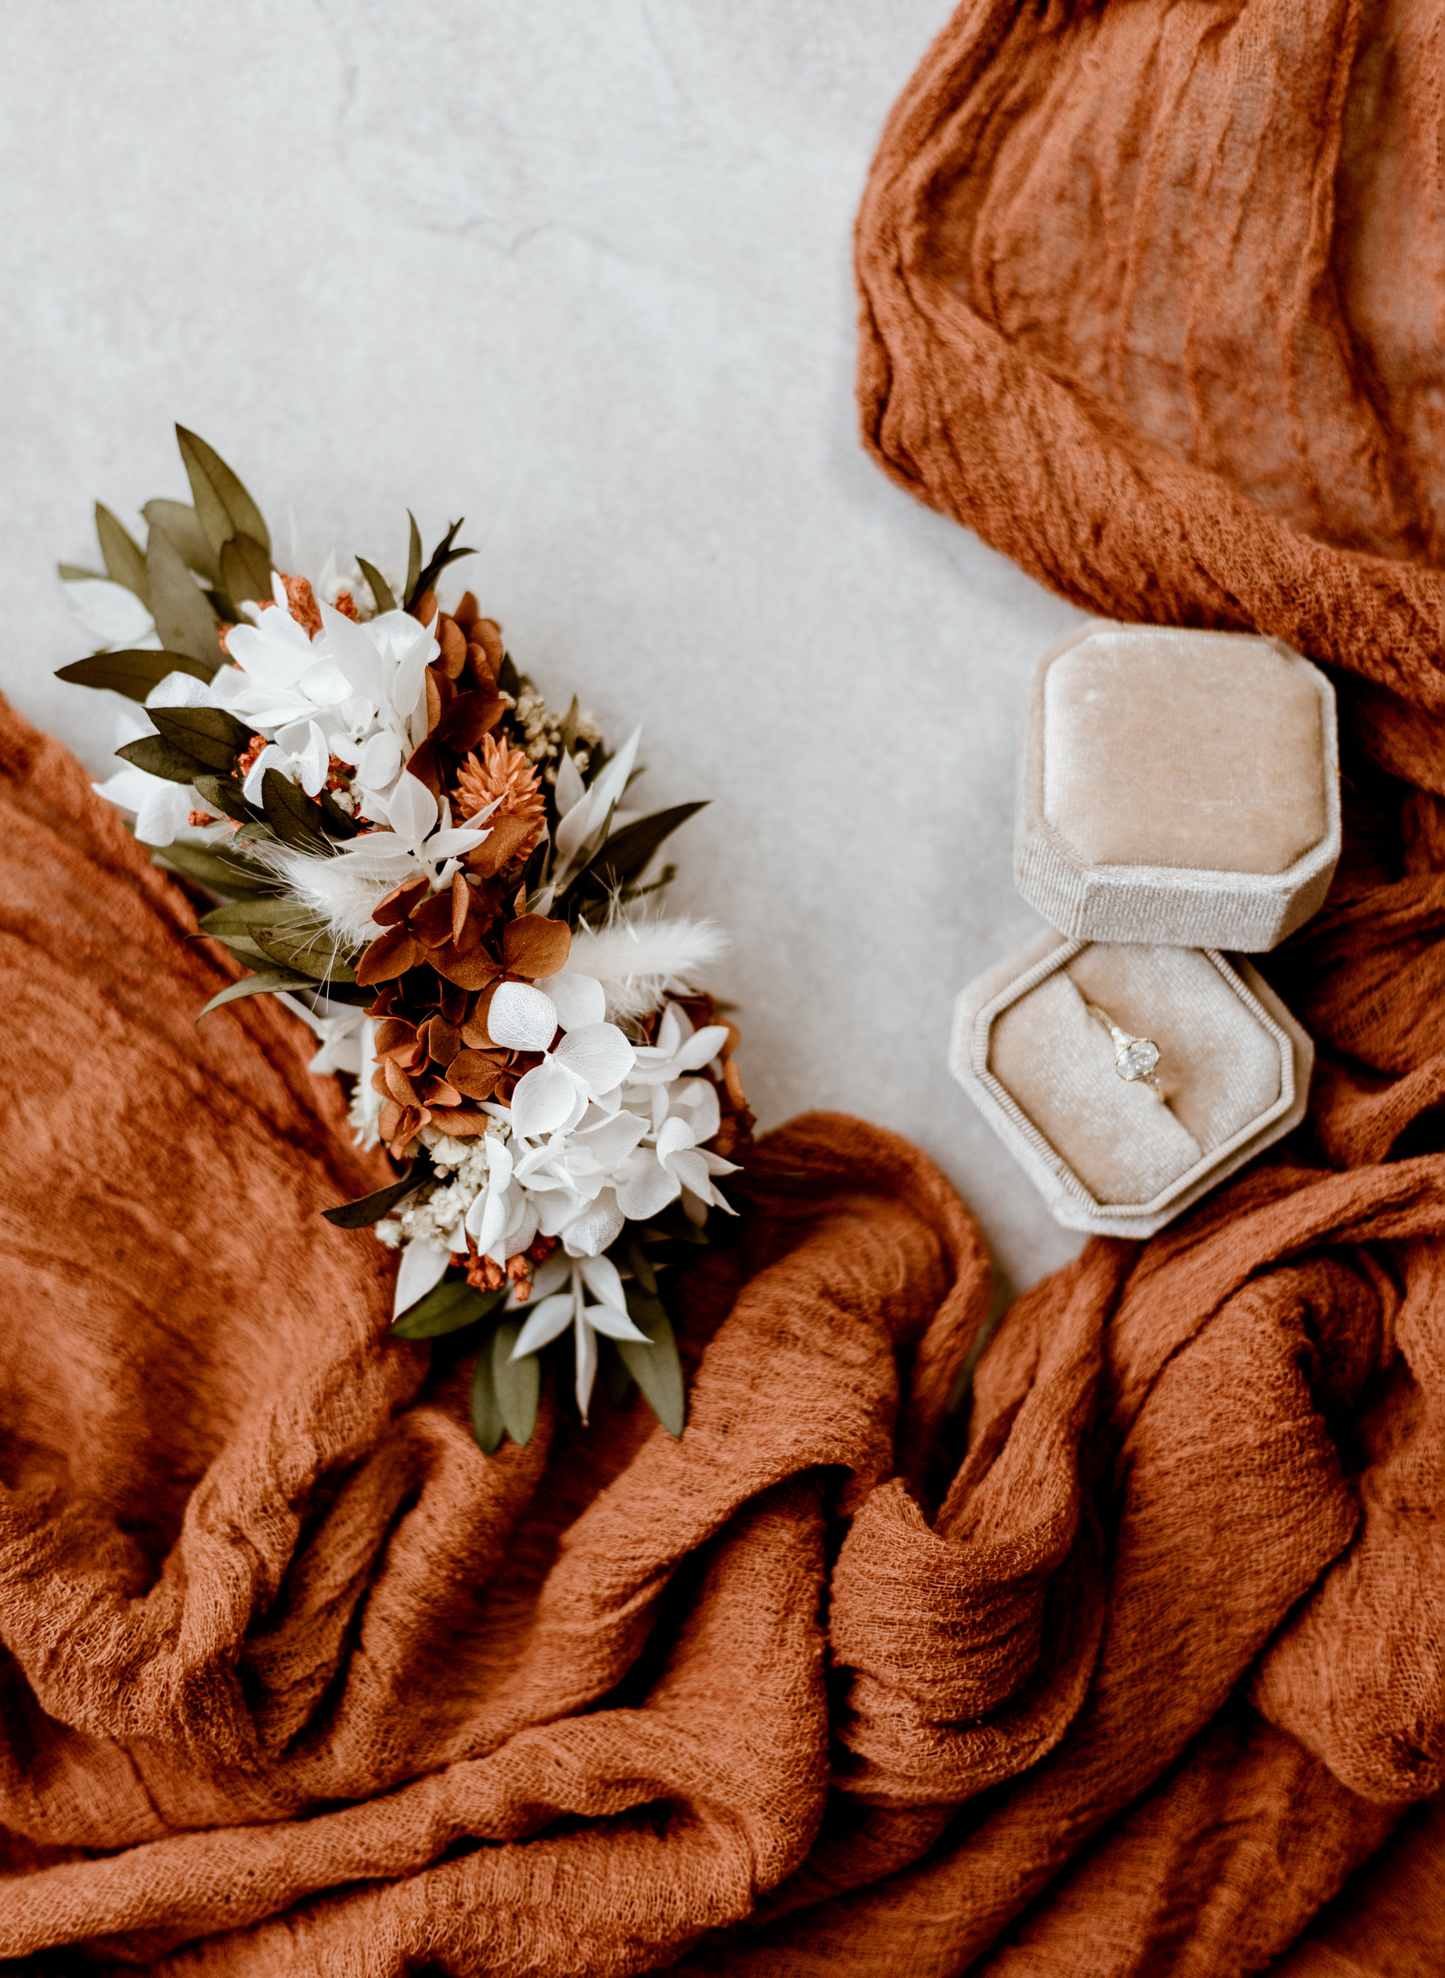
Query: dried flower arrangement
pixel 439 873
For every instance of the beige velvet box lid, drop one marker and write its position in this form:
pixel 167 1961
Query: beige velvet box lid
pixel 1178 787
pixel 1105 1154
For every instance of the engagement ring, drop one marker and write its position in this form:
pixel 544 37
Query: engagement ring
pixel 1136 1059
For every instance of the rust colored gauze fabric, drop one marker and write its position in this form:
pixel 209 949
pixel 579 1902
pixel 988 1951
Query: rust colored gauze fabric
pixel 1139 1675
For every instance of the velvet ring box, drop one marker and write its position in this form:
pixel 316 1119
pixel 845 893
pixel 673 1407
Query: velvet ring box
pixel 1107 1156
pixel 1177 786
pixel 1178 797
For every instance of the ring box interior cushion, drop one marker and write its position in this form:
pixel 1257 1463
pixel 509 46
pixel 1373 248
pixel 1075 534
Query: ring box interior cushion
pixel 1108 1157
pixel 1178 787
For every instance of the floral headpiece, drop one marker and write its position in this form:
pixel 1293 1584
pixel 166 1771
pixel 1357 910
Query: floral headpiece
pixel 441 874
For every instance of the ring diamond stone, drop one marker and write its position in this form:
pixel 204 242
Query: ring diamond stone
pixel 1136 1059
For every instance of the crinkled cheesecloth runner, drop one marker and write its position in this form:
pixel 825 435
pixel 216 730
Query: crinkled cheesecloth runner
pixel 1146 1678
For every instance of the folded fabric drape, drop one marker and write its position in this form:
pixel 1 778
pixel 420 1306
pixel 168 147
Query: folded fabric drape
pixel 1145 1676
pixel 1153 299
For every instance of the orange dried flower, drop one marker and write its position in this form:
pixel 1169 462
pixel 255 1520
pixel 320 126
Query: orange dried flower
pixel 246 761
pixel 506 773
pixel 302 599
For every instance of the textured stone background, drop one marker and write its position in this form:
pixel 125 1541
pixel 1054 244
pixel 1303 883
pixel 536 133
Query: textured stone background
pixel 578 270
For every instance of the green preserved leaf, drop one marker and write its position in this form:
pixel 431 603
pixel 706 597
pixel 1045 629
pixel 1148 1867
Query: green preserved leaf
pixel 293 936
pixel 291 813
pixel 371 1208
pixel 210 734
pixel 134 673
pixel 380 589
pixel 413 556
pixel 245 916
pixel 441 556
pixel 311 947
pixel 615 1377
pixel 508 678
pixel 158 757
pixel 656 1368
pixel 181 523
pixel 249 951
pixel 447 1307
pixel 627 854
pixel 640 1267
pixel 265 982
pixel 245 570
pixel 76 573
pixel 124 558
pixel 334 820
pixel 223 506
pixel 487 1424
pixel 223 793
pixel 184 620
pixel 516 1383
pixel 217 870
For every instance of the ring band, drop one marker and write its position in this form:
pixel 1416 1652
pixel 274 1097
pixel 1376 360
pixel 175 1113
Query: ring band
pixel 1136 1059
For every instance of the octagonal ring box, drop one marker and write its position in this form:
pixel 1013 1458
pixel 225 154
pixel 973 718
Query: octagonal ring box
pixel 1178 787
pixel 1108 1157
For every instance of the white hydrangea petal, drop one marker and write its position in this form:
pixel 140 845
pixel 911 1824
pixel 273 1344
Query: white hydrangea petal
pixel 545 1322
pixel 487 1217
pixel 270 758
pixel 610 1141
pixel 644 1187
pixel 691 1170
pixel 379 762
pixel 598 1226
pixel 698 1100
pixel 423 1264
pixel 408 684
pixel 702 1047
pixel 651 1066
pixel 555 1209
pixel 455 843
pixel 356 654
pixel 379 845
pixel 314 761
pixel 580 999
pixel 543 1101
pixel 411 809
pixel 604 1281
pixel 179 690
pixel 521 1018
pixel 163 811
pixel 521 1231
pixel 325 685
pixel 674 1136
pixel 598 1054
pixel 293 736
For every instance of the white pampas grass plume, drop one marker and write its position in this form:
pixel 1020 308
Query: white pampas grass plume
pixel 341 889
pixel 641 962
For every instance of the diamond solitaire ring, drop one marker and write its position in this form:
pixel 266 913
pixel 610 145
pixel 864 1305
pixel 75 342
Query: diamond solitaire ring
pixel 1136 1059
